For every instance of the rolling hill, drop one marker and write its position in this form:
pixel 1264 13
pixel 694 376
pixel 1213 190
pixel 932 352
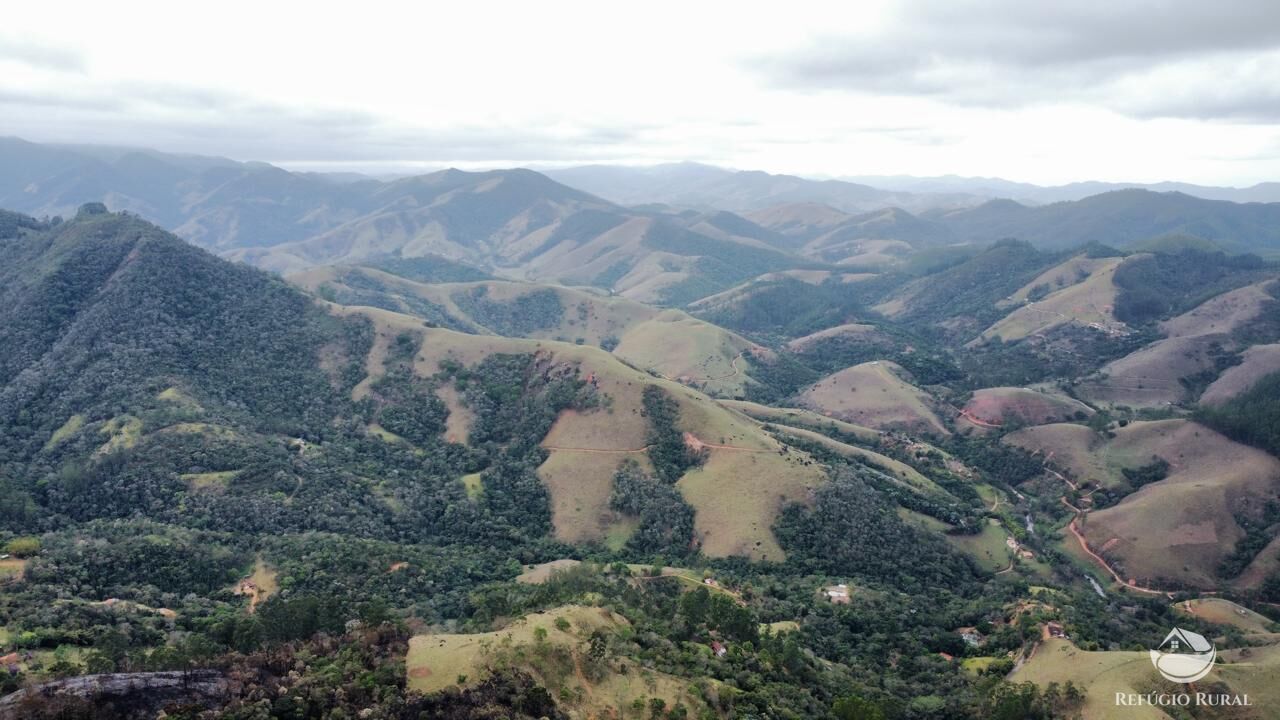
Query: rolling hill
pixel 1179 530
pixel 874 394
pixel 669 343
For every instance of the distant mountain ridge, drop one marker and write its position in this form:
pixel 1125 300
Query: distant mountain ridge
pixel 706 186
pixel 1029 193
pixel 705 230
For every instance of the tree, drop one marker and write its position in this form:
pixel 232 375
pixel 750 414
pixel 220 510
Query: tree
pixel 854 707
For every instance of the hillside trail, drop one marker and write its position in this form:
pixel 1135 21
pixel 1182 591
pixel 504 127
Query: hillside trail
pixel 1084 545
pixel 694 443
pixel 733 364
pixel 978 421
pixel 1059 475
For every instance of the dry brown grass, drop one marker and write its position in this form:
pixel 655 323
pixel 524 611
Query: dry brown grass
pixel 1091 300
pixel 1179 528
pixel 875 395
pixel 1258 362
pixel 1002 405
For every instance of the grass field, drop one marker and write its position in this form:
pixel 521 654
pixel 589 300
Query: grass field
pixel 1003 405
pixel 1099 674
pixel 1221 314
pixel 875 395
pixel 1087 295
pixel 922 521
pixel 737 495
pixel 122 432
pixel 67 429
pixel 1178 528
pixel 1224 612
pixel 800 418
pixel 458 424
pixel 265 583
pixel 670 342
pixel 179 398
pixel 976 665
pixel 384 434
pixel 386 327
pixel 12 568
pixel 752 472
pixel 558 661
pixel 210 481
pixel 988 548
pixel 581 484
pixel 781 626
pixel 1249 671
pixel 474 486
pixel 1257 362
pixel 1151 377
pixel 846 330
pixel 542 572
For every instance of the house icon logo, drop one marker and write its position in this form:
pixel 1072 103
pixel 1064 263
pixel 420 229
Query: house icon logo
pixel 1184 656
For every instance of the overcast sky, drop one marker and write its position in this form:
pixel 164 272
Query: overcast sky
pixel 1112 90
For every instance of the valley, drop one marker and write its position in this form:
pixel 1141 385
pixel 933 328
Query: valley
pixel 500 443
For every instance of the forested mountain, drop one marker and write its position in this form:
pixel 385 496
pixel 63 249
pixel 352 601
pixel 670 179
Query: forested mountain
pixel 706 186
pixel 1031 194
pixel 1122 218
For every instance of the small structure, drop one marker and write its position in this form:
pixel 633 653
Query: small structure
pixel 837 594
pixel 971 636
pixel 710 582
pixel 1055 630
pixel 718 648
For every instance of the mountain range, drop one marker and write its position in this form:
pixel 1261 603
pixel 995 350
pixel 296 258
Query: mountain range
pixel 668 235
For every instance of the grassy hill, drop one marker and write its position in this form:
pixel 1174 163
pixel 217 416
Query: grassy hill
pixel 669 343
pixel 1080 290
pixel 1199 345
pixel 1214 490
pixel 874 394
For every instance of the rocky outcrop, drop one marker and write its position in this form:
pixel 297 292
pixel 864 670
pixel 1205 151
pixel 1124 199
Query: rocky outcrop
pixel 116 695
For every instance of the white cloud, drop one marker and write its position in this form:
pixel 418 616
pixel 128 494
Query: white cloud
pixel 989 88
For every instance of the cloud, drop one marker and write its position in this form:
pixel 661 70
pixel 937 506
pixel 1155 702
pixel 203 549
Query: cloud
pixel 1007 54
pixel 208 121
pixel 37 55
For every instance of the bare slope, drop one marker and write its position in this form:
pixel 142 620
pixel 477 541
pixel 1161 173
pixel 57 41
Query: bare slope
pixel 1003 405
pixel 1176 530
pixel 736 493
pixel 1080 290
pixel 1258 362
pixel 670 343
pixel 1152 376
pixel 876 395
